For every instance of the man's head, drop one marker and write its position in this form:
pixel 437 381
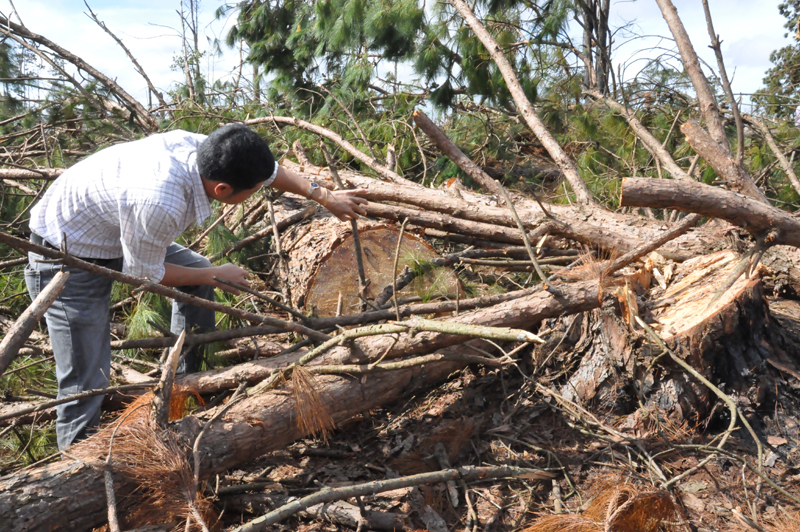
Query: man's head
pixel 238 158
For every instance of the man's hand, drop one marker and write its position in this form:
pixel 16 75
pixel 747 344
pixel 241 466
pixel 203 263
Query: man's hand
pixel 345 204
pixel 229 272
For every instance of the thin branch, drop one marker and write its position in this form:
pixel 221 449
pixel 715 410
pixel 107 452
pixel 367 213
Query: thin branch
pixel 136 64
pixel 379 486
pixel 372 162
pixel 524 105
pixel 726 84
pixel 156 288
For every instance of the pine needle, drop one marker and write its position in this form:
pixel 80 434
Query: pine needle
pixel 312 415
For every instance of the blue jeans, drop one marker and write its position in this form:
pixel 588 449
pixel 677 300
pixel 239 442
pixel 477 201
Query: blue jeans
pixel 79 326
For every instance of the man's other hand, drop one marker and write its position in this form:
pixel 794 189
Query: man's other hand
pixel 230 272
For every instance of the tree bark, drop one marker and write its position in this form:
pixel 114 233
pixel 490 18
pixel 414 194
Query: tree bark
pixel 761 219
pixel 722 162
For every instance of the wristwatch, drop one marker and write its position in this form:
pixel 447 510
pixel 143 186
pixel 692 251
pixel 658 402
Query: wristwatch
pixel 311 188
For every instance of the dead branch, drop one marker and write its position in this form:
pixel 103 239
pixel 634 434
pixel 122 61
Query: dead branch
pixel 754 216
pixel 142 114
pixel 18 333
pixel 136 64
pixel 373 163
pixel 652 145
pixel 379 486
pixel 524 106
pixel 452 151
pixel 74 397
pixel 708 103
pixel 465 163
pixel 255 237
pixel 726 84
pixel 443 222
pixel 784 162
pixel 48 174
pixel 721 161
pixel 156 288
pixel 362 277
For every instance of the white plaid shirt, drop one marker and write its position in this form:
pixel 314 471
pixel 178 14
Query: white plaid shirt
pixel 130 200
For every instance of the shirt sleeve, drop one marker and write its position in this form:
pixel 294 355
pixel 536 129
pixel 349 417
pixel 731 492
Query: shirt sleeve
pixel 145 232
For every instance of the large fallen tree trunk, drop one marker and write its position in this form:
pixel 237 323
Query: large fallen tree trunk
pixel 70 496
pixel 613 232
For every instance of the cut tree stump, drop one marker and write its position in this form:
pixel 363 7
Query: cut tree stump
pixel 322 264
pixel 731 344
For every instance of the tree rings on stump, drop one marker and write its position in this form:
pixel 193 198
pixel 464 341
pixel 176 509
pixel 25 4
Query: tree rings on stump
pixel 322 264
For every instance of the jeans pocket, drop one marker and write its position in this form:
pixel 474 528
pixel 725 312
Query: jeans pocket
pixel 33 280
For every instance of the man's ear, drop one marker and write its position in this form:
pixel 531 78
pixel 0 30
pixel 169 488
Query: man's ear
pixel 222 190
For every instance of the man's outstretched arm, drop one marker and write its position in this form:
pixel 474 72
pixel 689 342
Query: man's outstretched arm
pixel 344 204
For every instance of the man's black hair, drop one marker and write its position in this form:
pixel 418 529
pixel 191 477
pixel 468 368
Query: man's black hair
pixel 236 155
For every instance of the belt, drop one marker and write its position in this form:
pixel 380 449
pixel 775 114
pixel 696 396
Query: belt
pixel 39 241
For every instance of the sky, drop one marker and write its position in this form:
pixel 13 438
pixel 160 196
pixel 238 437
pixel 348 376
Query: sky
pixel 749 29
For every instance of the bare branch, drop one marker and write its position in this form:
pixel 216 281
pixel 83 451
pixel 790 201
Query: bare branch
pixel 708 103
pixel 726 84
pixel 23 32
pixel 524 105
pixel 136 64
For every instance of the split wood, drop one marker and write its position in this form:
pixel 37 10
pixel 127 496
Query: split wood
pixel 18 333
pixel 163 391
pixel 466 473
pixel 156 288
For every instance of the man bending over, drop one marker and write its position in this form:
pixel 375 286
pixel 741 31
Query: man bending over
pixel 122 208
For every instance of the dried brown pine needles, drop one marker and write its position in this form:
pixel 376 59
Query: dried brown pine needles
pixel 616 507
pixel 153 460
pixel 312 414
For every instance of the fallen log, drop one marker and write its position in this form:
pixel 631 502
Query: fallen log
pixel 70 496
pixel 761 219
pixel 598 228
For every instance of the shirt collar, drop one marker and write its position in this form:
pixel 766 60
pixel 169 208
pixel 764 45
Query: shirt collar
pixel 202 204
